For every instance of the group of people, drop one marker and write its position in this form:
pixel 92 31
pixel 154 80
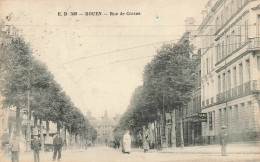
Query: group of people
pixel 143 141
pixel 36 145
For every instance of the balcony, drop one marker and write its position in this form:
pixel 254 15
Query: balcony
pixel 218 97
pixel 212 100
pixel 207 102
pixel 250 86
pixel 228 94
pixel 256 85
pixel 234 92
pixel 247 87
pixel 240 89
pixel 254 44
pixel 223 96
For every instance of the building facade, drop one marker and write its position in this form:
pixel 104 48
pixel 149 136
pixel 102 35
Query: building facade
pixel 104 127
pixel 230 66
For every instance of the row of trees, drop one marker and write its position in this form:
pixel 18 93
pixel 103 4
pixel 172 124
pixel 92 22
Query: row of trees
pixel 27 85
pixel 167 84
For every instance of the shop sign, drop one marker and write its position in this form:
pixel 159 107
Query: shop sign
pixel 202 117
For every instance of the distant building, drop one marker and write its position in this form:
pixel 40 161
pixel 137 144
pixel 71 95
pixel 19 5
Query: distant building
pixel 104 126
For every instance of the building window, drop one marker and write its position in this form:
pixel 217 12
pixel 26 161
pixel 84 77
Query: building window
pixel 230 125
pixel 222 18
pixel 223 49
pixel 239 3
pixel 228 80
pixel 219 84
pixel 234 77
pixel 236 118
pixel 220 117
pixel 218 53
pixel 240 74
pixel 217 23
pixel 224 82
pixel 248 69
pixel 225 116
pixel 207 65
pixel 258 63
pixel 239 36
pixel 232 41
pixel 246 30
pixel 228 45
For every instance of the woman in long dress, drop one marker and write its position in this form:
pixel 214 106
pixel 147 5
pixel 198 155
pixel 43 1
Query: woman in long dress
pixel 146 142
pixel 127 143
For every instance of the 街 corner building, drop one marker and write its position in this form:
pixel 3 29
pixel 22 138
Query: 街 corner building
pixel 230 66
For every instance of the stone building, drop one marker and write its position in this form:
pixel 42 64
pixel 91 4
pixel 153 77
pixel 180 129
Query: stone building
pixel 230 66
pixel 104 127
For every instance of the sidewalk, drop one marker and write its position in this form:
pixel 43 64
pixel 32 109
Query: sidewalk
pixel 232 148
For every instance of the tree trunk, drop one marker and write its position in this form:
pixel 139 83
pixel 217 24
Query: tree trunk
pixel 173 131
pixel 41 130
pixel 47 128
pixel 18 122
pixel 181 132
pixel 58 126
pixel 35 129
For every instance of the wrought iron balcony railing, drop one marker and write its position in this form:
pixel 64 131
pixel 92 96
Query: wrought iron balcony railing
pixel 234 91
pixel 254 43
pixel 228 94
pixel 247 87
pixel 240 89
pixel 212 100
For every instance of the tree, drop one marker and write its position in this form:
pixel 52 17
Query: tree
pixel 15 62
pixel 167 83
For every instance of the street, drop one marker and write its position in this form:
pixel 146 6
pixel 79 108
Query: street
pixel 107 154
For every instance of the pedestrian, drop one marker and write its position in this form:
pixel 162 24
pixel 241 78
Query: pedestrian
pixel 139 139
pixel 146 142
pixel 223 140
pixel 15 148
pixel 36 147
pixel 57 144
pixel 127 142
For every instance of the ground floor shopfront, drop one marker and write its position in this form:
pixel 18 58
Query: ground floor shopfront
pixel 240 116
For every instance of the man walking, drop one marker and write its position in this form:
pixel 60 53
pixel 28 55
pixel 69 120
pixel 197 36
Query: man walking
pixel 57 144
pixel 36 147
pixel 15 148
pixel 223 141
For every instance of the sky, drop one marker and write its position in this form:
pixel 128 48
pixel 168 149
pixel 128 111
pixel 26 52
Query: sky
pixel 99 60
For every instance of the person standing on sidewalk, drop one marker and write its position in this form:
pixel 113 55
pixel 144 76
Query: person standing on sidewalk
pixel 146 142
pixel 127 143
pixel 36 147
pixel 57 144
pixel 139 139
pixel 223 140
pixel 15 148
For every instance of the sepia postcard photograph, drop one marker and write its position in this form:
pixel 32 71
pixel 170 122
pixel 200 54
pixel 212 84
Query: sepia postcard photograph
pixel 129 80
